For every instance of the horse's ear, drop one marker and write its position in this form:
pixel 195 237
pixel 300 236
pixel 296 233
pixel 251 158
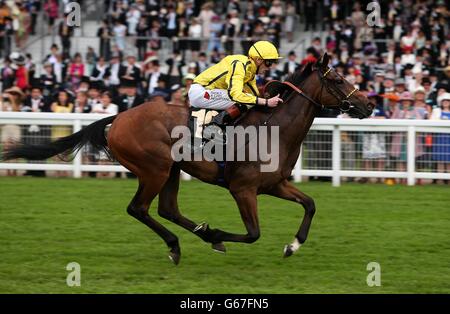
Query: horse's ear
pixel 322 63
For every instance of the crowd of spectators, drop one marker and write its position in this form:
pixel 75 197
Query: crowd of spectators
pixel 402 63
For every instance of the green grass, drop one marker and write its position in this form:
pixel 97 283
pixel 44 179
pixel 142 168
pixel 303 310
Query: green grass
pixel 47 223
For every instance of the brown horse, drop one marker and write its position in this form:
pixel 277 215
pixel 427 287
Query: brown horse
pixel 140 139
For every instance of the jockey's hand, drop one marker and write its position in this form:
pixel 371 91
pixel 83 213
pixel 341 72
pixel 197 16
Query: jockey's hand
pixel 274 101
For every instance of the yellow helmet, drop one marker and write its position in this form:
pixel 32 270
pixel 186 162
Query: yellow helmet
pixel 264 50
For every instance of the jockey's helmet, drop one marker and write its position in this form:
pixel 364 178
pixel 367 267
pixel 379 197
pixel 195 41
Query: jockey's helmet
pixel 264 50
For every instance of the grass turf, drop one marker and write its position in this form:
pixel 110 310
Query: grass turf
pixel 47 223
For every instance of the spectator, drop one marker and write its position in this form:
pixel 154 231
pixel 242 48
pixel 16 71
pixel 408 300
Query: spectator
pixel 119 31
pixel 106 105
pixel 81 103
pixel 21 72
pixel 133 17
pixel 7 74
pixel 130 71
pixel 289 25
pixel 195 31
pixel 48 79
pixel 175 71
pixel 51 9
pixel 23 22
pixel 374 143
pixel 441 141
pixel 227 35
pixel 142 31
pixel 101 71
pixel 105 34
pixel 129 98
pixel 204 21
pixel 65 33
pixel 76 72
pixel 12 99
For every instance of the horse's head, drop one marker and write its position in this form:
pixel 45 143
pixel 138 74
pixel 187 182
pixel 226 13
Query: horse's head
pixel 337 92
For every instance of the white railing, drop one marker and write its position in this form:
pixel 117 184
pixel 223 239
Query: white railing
pixel 333 148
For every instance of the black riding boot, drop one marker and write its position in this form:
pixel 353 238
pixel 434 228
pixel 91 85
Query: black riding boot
pixel 229 115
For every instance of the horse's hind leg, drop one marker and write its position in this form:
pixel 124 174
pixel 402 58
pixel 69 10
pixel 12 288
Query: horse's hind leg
pixel 139 207
pixel 168 209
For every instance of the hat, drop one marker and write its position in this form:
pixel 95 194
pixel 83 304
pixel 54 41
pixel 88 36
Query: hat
pixel 406 96
pixel 442 85
pixel 390 76
pixel 419 89
pixel 391 96
pixel 128 82
pixel 15 90
pixel 175 87
pixel 445 96
pixel 17 58
pixel 400 81
pixel 380 74
pixel 189 76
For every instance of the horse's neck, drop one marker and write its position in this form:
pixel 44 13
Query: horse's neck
pixel 295 121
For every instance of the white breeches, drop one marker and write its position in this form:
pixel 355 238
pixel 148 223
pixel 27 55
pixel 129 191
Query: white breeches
pixel 201 97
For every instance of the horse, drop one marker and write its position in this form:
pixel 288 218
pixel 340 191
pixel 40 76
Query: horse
pixel 140 140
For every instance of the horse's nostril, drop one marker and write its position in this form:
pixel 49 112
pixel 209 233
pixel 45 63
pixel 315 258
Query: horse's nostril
pixel 370 106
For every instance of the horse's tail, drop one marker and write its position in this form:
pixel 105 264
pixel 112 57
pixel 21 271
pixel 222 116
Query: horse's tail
pixel 93 134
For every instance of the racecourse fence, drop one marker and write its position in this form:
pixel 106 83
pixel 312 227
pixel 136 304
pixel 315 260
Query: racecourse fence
pixel 336 148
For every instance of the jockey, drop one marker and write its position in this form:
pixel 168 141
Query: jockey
pixel 230 85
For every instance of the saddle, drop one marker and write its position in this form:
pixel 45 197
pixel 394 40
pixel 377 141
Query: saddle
pixel 201 129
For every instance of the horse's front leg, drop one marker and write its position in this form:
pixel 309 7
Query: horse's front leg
pixel 246 201
pixel 288 191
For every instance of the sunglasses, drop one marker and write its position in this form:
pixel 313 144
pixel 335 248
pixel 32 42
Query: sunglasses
pixel 270 62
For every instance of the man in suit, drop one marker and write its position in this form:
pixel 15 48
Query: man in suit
pixel 130 71
pixel 154 77
pixel 129 97
pixel 36 134
pixel 291 64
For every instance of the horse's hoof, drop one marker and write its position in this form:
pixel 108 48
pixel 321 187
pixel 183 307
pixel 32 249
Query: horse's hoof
pixel 288 250
pixel 174 256
pixel 203 227
pixel 219 247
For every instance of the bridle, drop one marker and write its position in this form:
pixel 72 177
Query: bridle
pixel 344 103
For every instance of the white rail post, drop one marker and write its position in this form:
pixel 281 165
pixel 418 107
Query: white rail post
pixel 77 158
pixel 298 167
pixel 336 156
pixel 411 159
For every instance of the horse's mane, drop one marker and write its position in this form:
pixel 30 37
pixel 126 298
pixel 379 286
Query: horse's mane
pixel 301 74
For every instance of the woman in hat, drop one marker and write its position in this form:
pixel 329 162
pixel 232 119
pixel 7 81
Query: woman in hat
pixel 21 72
pixel 11 100
pixel 441 142
pixel 398 145
pixel 76 71
pixel 374 143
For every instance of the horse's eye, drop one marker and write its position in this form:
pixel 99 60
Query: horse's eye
pixel 340 81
